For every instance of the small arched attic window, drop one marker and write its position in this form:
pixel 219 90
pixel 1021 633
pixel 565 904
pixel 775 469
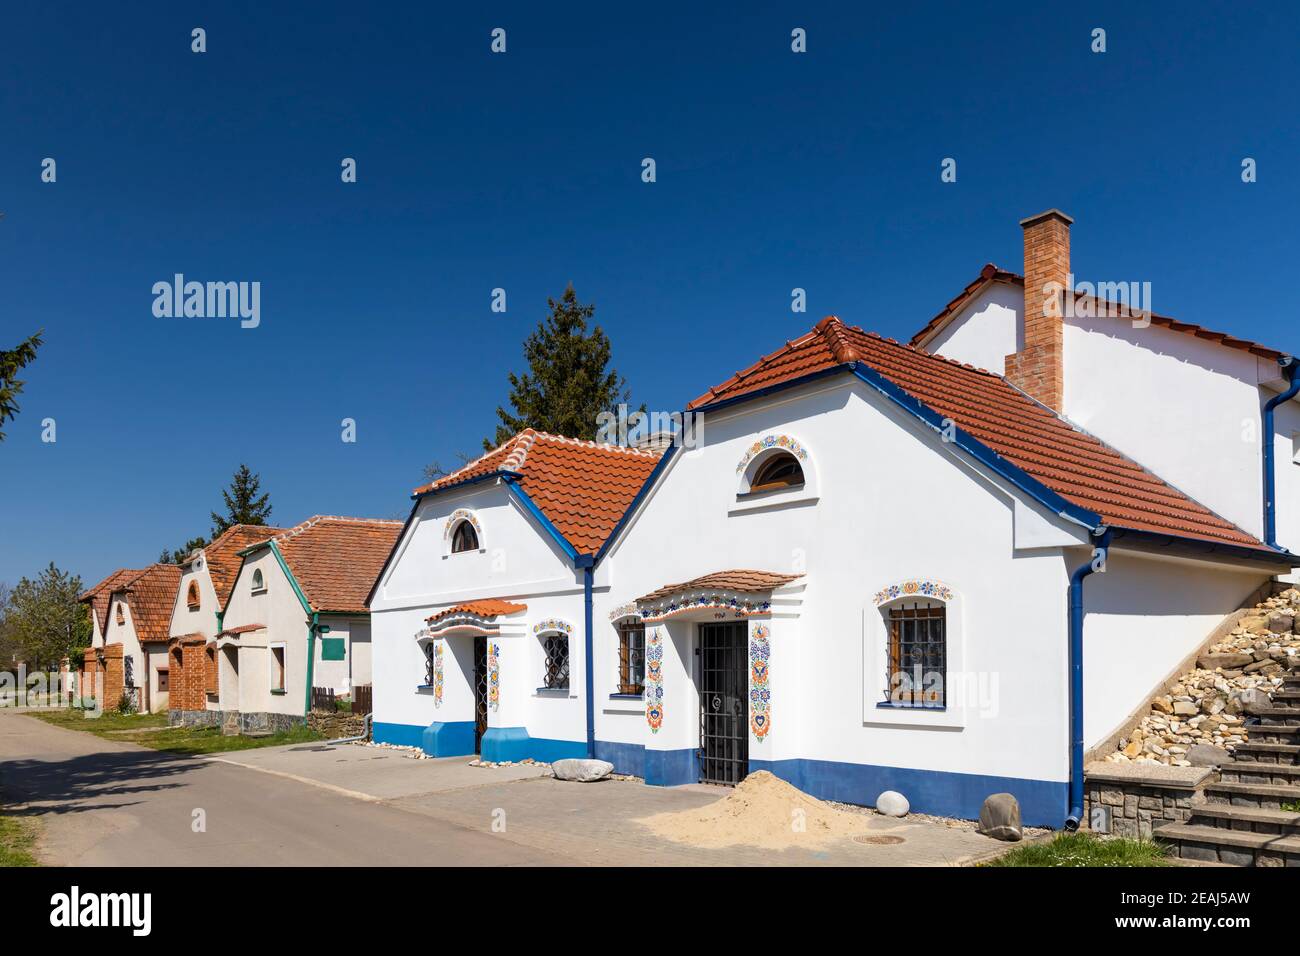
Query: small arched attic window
pixel 781 470
pixel 121 618
pixel 192 596
pixel 464 538
pixel 259 584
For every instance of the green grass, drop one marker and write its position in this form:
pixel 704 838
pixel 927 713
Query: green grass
pixel 1085 849
pixel 151 730
pixel 1292 806
pixel 17 837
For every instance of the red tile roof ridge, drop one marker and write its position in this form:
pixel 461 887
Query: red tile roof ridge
pixel 117 575
pixel 991 273
pixel 304 526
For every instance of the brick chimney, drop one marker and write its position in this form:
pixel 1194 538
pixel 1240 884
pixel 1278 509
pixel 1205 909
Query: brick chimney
pixel 1037 367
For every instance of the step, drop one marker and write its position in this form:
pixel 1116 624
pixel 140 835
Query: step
pixel 1270 753
pixel 1287 716
pixel 1252 771
pixel 1273 733
pixel 1265 796
pixel 1246 819
pixel 1214 844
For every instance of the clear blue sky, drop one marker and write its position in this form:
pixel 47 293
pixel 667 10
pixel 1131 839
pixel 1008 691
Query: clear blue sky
pixel 522 171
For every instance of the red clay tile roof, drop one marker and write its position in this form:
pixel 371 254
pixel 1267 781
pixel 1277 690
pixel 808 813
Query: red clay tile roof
pixel 991 273
pixel 151 595
pixel 491 607
pixel 1072 463
pixel 242 629
pixel 582 487
pixel 223 555
pixel 99 596
pixel 745 582
pixel 336 560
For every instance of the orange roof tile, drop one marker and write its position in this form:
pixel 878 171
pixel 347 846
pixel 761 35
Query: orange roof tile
pixel 151 596
pixel 991 273
pixel 582 487
pixel 744 582
pixel 336 560
pixel 223 555
pixel 99 596
pixel 490 607
pixel 242 629
pixel 1074 464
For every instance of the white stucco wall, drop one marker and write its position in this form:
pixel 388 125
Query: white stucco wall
pixel 279 609
pixel 1144 616
pixel 203 619
pixel 517 561
pixel 891 505
pixel 985 331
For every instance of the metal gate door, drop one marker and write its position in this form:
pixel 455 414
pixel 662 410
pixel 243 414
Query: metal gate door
pixel 724 699
pixel 480 691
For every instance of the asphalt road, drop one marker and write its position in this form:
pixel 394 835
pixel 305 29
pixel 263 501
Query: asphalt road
pixel 103 803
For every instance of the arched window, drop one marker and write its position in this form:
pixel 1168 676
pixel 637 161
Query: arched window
pixel 555 656
pixel 916 652
pixel 781 470
pixel 464 538
pixel 192 596
pixel 121 618
pixel 258 583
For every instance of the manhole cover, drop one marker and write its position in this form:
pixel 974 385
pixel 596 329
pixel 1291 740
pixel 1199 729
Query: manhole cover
pixel 878 840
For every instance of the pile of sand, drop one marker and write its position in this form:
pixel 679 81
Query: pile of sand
pixel 763 811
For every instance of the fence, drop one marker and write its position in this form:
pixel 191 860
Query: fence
pixel 324 698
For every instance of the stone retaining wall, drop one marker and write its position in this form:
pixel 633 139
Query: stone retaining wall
pixel 1137 804
pixel 336 725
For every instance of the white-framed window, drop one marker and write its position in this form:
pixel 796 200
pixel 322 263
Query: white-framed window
pixel 464 537
pixel 277 667
pixel 775 471
pixel 631 657
pixel 259 583
pixel 913 658
pixel 916 652
pixel 555 660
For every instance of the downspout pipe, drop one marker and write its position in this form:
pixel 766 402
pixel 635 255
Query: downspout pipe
pixel 1291 369
pixel 586 563
pixel 1096 564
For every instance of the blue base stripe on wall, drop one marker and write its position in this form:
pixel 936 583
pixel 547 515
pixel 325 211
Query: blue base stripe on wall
pixel 1042 802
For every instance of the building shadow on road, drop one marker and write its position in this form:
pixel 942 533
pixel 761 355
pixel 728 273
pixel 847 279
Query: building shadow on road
pixel 89 782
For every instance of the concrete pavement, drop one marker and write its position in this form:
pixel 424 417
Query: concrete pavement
pixel 104 803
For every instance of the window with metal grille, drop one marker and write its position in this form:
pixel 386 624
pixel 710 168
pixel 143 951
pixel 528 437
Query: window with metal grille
pixel 555 648
pixel 631 659
pixel 465 538
pixel 428 664
pixel 918 654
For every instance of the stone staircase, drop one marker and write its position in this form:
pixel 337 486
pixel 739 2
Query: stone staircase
pixel 1240 820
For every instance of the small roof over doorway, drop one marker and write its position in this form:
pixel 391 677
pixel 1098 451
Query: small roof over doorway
pixel 721 595
pixel 477 617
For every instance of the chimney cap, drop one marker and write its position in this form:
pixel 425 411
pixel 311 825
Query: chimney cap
pixel 1048 214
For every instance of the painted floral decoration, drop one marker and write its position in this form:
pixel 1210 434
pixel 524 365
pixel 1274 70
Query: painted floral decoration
pixel 654 680
pixel 917 588
pixel 772 441
pixel 760 697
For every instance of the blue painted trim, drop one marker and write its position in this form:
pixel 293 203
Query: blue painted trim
pixel 1074 806
pixel 636 502
pixel 403 735
pixel 627 696
pixel 1196 548
pixel 928 791
pixel 626 758
pixel 513 743
pixel 530 506
pixel 465 483
pixel 588 671
pixel 1292 370
pixel 452 738
pixel 671 768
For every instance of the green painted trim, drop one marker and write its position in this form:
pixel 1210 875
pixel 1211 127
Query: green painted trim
pixel 311 658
